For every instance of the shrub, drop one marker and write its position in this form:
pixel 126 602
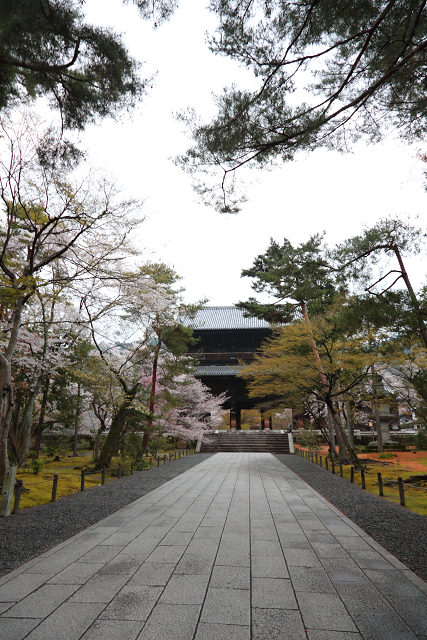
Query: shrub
pixel 50 451
pixel 37 465
pixel 31 454
pixel 421 440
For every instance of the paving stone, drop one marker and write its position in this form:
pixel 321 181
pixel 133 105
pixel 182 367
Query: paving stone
pixel 133 602
pixel 311 579
pixel 171 622
pixel 208 533
pixel 99 589
pixel 113 630
pixel 207 631
pixel 273 593
pixel 264 533
pixel 266 548
pixel 412 610
pixel 167 554
pixel 68 622
pixel 101 554
pixel 230 606
pixel 122 564
pixel 340 570
pixel 177 538
pixel 324 611
pixel 21 586
pixel 293 541
pixel 333 635
pixel 13 629
pixel 154 574
pixel 277 624
pixel 301 558
pixel 375 625
pixel 268 567
pixel 76 573
pixel 231 577
pixel 191 564
pixel 42 602
pixel 185 589
pixel 393 583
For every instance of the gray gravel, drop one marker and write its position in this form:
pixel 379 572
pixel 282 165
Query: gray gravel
pixel 33 531
pixel 402 532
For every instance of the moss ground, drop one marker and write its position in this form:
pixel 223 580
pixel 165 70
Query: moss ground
pixel 38 487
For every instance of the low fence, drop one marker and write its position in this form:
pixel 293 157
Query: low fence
pixel 13 488
pixel 381 480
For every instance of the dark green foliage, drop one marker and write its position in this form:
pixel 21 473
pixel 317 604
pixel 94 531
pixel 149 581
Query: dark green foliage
pixel 421 440
pixel 362 64
pixel 47 49
pixel 132 447
pixel 290 275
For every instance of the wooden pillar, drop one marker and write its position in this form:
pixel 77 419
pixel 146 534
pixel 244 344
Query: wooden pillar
pixel 238 418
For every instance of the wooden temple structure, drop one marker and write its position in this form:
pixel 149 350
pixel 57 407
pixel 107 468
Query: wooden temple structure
pixel 225 337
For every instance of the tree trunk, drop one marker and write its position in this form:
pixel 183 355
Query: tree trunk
pixel 6 389
pixel 413 297
pixel 40 423
pixel 76 423
pixel 111 444
pixel 353 456
pixel 97 443
pixel 339 432
pixel 23 435
pixel 350 425
pixel 380 444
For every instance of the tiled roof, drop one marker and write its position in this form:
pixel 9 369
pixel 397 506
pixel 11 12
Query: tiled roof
pixel 217 371
pixel 225 318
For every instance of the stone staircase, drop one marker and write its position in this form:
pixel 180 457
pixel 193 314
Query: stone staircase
pixel 247 441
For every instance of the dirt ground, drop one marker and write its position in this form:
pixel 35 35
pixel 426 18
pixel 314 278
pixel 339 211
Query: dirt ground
pixel 410 460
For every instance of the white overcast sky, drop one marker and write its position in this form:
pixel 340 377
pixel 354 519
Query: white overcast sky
pixel 323 191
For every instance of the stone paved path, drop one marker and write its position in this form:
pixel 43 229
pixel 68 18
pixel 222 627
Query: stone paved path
pixel 237 548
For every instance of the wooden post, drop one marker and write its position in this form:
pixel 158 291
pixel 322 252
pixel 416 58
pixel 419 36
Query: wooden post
pixel 352 474
pixel 54 487
pixel 131 468
pixel 326 464
pixel 320 459
pixel 316 459
pixel 103 475
pixel 341 471
pixel 333 467
pixel 82 480
pixel 119 472
pixel 380 484
pixel 401 491
pixel 18 491
pixel 158 461
pixel 7 491
pixel 362 475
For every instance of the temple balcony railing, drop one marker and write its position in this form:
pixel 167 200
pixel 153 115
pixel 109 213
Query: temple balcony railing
pixel 229 357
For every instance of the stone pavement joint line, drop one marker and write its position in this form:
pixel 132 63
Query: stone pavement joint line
pixel 236 548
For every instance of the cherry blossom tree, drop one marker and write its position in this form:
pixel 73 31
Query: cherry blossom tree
pixel 49 216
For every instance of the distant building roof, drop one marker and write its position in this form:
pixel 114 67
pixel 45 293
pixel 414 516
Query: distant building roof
pixel 224 318
pixel 214 370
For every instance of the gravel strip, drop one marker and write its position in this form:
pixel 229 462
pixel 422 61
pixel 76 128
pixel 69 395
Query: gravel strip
pixel 402 532
pixel 33 531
